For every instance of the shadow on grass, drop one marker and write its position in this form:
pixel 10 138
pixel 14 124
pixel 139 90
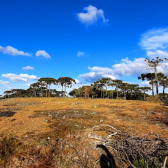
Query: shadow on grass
pixel 106 161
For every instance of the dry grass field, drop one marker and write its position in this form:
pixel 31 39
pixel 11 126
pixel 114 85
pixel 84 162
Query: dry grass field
pixel 33 127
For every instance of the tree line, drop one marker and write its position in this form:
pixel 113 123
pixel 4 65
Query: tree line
pixel 96 90
pixel 42 88
pixel 123 89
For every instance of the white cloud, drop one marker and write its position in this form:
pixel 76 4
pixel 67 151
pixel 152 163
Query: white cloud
pixel 126 60
pixel 92 15
pixel 100 72
pixel 12 51
pixel 161 54
pixel 19 78
pixel 79 54
pixel 155 42
pixel 28 84
pixel 80 84
pixel 42 53
pixel 6 83
pixel 77 81
pixel 145 83
pixel 154 39
pixel 129 68
pixel 125 68
pixel 28 67
pixel 101 69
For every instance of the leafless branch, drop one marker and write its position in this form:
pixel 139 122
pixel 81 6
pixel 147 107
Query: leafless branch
pixel 147 68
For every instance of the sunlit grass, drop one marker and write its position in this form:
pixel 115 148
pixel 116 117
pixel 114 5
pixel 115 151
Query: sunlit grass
pixel 37 119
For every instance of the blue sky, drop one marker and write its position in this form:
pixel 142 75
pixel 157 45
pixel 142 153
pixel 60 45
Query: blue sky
pixel 85 40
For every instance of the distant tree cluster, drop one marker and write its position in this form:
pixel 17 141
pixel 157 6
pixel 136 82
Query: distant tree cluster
pixel 42 88
pixel 96 90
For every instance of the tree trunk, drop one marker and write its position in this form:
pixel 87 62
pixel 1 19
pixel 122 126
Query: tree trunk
pixel 156 81
pixel 106 90
pixel 46 89
pixel 103 94
pixel 144 95
pixel 112 92
pixel 62 91
pixel 65 90
pixel 41 92
pixel 49 91
pixel 152 90
pixel 163 92
pixel 117 92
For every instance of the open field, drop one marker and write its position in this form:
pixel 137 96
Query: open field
pixel 35 125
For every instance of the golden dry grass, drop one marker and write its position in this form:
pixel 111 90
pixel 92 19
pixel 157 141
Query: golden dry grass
pixel 40 118
pixel 122 114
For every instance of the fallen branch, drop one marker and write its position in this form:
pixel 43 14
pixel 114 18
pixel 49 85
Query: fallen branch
pixel 149 150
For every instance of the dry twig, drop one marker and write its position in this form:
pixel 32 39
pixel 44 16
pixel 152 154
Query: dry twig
pixel 149 149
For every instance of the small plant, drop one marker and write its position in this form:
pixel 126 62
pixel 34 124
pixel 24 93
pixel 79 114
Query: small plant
pixel 140 163
pixel 143 163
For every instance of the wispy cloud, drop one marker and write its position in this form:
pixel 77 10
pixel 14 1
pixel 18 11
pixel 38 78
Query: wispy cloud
pixel 13 51
pixel 42 53
pixel 154 39
pixel 6 83
pixel 80 54
pixel 91 16
pixel 155 42
pixel 19 78
pixel 28 67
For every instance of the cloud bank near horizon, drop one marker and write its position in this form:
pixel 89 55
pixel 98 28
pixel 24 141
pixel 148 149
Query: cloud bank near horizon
pixel 125 68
